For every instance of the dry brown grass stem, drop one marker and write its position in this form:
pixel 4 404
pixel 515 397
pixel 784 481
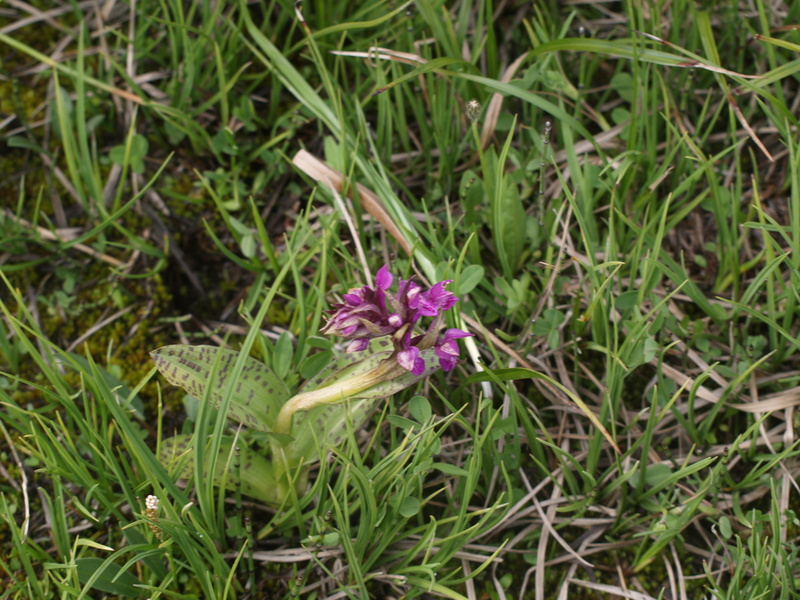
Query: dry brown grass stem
pixel 496 103
pixel 99 325
pixel 37 16
pixel 377 53
pixel 319 171
pixel 351 226
pixel 615 590
pixel 64 236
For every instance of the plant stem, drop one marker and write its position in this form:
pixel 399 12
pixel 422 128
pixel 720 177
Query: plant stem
pixel 336 392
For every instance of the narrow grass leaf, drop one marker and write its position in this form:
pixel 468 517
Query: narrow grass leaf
pixel 520 373
pixel 99 574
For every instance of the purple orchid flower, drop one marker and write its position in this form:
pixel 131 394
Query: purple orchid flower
pixel 363 314
pixel 368 313
pixel 446 348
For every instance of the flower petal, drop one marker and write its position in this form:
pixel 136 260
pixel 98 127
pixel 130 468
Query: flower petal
pixel 447 363
pixel 408 359
pixel 384 278
pixel 454 334
pixel 447 349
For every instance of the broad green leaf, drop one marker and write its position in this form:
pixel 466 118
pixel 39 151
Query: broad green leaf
pixel 449 469
pixel 725 527
pixel 106 577
pixel 402 423
pixel 282 358
pixel 257 396
pixel 470 277
pixel 407 507
pixel 512 225
pixel 255 471
pixel 420 409
pixel 314 364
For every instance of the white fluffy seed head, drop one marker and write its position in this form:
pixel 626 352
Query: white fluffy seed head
pixel 473 110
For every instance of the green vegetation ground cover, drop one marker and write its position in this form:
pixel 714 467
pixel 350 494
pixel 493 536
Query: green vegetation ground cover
pixel 614 189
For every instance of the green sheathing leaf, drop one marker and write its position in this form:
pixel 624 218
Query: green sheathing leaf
pixel 323 426
pixel 257 397
pixel 384 389
pixel 255 471
pixel 324 376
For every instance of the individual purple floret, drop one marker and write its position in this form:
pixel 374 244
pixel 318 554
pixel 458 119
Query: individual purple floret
pixel 409 358
pixel 446 348
pixel 435 300
pixel 363 315
pixel 368 313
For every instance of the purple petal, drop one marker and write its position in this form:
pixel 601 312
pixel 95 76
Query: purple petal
pixel 354 297
pixel 384 279
pixel 348 331
pixel 427 308
pixel 357 345
pixel 447 349
pixel 439 297
pixel 447 363
pixel 409 292
pixel 419 367
pixel 454 334
pixel 409 359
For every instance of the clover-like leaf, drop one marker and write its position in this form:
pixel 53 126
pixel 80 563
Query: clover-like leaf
pixel 132 154
pixel 257 396
pixel 256 474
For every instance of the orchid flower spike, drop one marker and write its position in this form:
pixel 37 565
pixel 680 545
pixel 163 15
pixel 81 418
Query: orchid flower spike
pixel 368 313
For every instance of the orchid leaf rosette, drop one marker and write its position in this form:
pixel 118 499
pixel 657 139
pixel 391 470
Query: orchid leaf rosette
pixel 396 340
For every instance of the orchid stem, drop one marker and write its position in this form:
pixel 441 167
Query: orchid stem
pixel 335 393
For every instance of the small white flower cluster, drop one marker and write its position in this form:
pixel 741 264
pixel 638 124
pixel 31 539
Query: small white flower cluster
pixel 151 512
pixel 151 502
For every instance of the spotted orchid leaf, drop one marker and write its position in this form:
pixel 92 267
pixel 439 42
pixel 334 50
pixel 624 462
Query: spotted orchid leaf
pixel 257 396
pixel 256 474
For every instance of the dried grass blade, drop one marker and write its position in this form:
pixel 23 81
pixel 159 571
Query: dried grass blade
pixel 321 172
pixel 782 401
pixel 740 115
pixel 493 110
pixel 376 53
